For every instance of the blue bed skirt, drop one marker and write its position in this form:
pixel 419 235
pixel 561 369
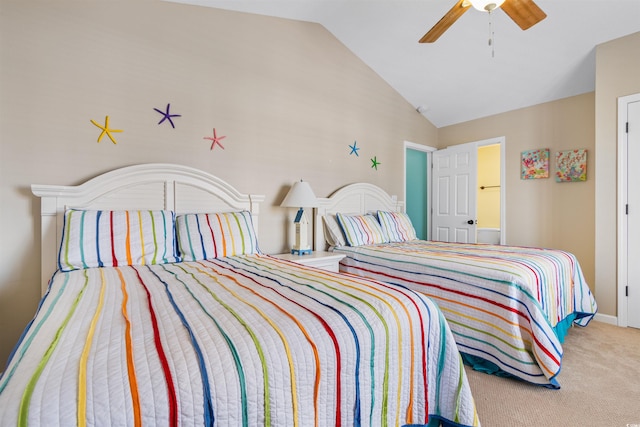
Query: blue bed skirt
pixel 482 365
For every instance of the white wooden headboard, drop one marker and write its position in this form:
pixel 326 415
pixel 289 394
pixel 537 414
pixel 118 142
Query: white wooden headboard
pixel 358 198
pixel 150 186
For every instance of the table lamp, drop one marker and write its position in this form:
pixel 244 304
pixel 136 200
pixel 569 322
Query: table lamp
pixel 300 196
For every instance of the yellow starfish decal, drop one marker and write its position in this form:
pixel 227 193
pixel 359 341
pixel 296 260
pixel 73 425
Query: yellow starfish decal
pixel 106 130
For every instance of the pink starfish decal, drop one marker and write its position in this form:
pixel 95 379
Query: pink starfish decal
pixel 215 139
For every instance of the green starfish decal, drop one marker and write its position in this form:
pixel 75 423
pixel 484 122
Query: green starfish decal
pixel 375 162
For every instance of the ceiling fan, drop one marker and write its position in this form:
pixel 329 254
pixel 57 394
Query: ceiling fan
pixel 525 13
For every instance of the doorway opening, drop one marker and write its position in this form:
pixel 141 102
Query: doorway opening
pixel 417 179
pixel 491 211
pixel 489 195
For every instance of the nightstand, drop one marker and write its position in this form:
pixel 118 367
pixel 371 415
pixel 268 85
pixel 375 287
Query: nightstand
pixel 319 259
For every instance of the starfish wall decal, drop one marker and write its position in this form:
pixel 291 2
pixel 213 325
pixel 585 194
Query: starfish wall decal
pixel 375 162
pixel 167 116
pixel 106 130
pixel 215 139
pixel 354 149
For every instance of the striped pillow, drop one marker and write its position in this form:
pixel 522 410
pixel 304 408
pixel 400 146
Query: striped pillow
pixel 397 226
pixel 361 229
pixel 216 235
pixel 93 238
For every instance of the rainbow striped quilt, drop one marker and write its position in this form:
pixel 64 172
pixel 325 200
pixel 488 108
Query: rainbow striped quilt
pixel 503 303
pixel 238 341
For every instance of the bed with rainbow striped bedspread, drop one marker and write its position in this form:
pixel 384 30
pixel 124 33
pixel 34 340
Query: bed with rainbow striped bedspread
pixel 235 341
pixel 508 307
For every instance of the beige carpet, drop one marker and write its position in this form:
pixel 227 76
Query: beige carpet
pixel 600 385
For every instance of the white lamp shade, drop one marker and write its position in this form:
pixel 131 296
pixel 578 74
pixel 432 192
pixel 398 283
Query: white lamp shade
pixel 300 196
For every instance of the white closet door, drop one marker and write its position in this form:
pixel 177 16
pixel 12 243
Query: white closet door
pixel 633 217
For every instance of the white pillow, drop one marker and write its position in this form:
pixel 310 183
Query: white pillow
pixel 215 235
pixel 94 238
pixel 361 229
pixel 332 231
pixel 397 226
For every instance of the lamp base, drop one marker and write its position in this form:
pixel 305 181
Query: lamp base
pixel 300 251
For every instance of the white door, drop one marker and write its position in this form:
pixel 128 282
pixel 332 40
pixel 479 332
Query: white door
pixel 454 193
pixel 633 215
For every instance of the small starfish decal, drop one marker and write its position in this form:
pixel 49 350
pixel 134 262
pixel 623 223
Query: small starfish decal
pixel 106 130
pixel 215 139
pixel 375 162
pixel 354 149
pixel 167 116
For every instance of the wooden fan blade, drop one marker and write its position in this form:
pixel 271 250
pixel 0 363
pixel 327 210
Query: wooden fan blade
pixel 447 20
pixel 525 13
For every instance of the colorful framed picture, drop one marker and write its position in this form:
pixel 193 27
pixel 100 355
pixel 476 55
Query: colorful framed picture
pixel 571 165
pixel 535 164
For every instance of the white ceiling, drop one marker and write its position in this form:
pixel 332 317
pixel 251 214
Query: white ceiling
pixel 457 79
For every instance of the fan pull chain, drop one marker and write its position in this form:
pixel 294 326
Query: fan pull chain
pixel 491 35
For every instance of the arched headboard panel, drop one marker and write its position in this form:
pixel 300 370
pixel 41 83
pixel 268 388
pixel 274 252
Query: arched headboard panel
pixel 358 198
pixel 151 186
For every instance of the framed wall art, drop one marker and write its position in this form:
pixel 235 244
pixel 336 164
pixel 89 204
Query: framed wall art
pixel 571 165
pixel 535 164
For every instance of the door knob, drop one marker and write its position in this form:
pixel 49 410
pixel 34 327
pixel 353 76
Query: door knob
pixel 470 222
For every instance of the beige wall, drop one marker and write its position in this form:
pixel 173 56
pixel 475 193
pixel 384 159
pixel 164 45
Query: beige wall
pixel 289 97
pixel 617 75
pixel 543 212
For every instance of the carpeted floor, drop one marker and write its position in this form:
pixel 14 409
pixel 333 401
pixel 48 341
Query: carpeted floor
pixel 600 385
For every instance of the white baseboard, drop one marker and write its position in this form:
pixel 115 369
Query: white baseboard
pixel 606 318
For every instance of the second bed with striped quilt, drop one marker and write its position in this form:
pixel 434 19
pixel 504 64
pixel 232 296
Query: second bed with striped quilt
pixel 508 307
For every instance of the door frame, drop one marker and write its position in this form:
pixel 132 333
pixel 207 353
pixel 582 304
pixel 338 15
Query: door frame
pixel 490 141
pixel 621 284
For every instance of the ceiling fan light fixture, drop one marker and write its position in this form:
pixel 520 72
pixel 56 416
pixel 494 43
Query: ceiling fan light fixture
pixel 525 13
pixel 486 5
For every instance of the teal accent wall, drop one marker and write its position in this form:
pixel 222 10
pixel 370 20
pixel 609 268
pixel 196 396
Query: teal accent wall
pixel 417 191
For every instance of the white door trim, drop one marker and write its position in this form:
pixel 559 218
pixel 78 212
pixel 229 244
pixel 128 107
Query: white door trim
pixel 622 201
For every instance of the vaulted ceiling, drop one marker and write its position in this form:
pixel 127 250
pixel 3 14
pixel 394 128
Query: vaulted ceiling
pixel 460 77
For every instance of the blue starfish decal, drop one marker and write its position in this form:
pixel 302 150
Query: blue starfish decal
pixel 354 149
pixel 375 162
pixel 167 116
